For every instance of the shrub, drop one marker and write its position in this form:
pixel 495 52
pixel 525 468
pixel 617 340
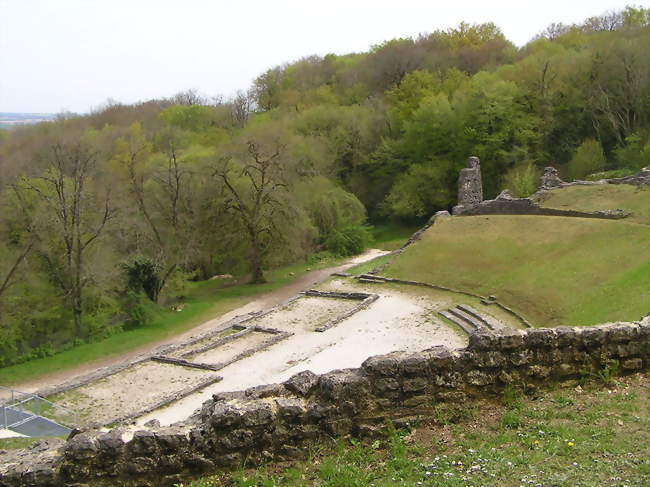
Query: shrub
pixel 142 274
pixel 138 310
pixel 635 154
pixel 522 180
pixel 350 240
pixel 589 158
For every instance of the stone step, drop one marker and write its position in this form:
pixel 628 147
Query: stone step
pixel 466 327
pixel 490 322
pixel 469 319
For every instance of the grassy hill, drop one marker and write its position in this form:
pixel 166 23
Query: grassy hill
pixel 553 270
pixel 603 197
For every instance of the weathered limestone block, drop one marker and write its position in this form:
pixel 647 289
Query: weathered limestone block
pixel 257 412
pixel 415 364
pixel 290 409
pixel 302 383
pixel 382 365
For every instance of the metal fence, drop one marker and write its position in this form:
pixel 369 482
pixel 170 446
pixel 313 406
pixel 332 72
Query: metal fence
pixel 32 415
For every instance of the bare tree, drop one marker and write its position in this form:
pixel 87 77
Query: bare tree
pixel 164 213
pixel 241 107
pixel 256 188
pixel 70 224
pixel 189 97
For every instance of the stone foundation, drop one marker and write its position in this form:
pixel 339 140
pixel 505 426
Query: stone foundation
pixel 272 421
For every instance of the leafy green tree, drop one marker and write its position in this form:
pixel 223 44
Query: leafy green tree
pixel 421 191
pixel 635 154
pixel 67 218
pixel 588 158
pixel 255 173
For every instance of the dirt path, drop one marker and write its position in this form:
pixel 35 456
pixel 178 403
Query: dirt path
pixel 262 302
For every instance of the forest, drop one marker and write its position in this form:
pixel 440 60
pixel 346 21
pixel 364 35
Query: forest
pixel 107 216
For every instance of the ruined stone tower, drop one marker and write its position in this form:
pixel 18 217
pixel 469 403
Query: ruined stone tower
pixel 470 184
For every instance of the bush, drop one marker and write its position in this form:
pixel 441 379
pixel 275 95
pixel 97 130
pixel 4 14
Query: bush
pixel 351 240
pixel 522 180
pixel 142 274
pixel 635 154
pixel 589 158
pixel 138 310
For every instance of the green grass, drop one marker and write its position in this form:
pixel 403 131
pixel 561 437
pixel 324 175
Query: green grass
pixel 206 300
pixel 603 197
pixel 18 443
pixel 391 236
pixel 554 271
pixel 589 437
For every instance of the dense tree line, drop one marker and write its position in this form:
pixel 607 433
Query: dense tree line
pixel 106 215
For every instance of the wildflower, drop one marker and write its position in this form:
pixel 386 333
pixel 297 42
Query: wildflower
pixel 570 444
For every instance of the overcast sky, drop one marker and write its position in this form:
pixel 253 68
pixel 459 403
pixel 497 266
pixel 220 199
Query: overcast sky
pixel 75 54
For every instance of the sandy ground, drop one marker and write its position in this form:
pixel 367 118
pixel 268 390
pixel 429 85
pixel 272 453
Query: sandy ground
pixel 10 434
pixel 306 313
pixel 265 301
pixel 228 351
pixel 129 391
pixel 396 321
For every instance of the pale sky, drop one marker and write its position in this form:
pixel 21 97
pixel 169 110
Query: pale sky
pixel 75 54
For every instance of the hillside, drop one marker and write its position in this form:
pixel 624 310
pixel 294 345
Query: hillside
pixel 635 199
pixel 555 271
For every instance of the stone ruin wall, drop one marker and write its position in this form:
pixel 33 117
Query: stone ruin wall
pixel 470 195
pixel 273 421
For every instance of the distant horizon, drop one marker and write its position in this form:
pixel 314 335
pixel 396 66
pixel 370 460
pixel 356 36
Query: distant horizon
pixel 74 56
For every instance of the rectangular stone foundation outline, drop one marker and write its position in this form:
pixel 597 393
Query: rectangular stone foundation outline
pixel 122 367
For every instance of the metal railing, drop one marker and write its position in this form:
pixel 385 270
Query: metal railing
pixel 18 408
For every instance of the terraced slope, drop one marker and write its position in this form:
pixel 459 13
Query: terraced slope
pixel 603 197
pixel 553 270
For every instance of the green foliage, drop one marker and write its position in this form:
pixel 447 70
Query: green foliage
pixel 138 309
pixel 350 240
pixel 142 274
pixel 635 154
pixel 189 117
pixel 588 158
pixel 422 190
pixel 522 180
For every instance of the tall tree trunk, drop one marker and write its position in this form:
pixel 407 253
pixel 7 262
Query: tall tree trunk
pixel 256 261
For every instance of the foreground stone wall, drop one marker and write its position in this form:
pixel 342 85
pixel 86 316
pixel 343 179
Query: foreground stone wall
pixel 274 420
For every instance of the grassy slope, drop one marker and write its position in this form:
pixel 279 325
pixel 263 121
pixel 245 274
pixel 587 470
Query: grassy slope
pixel 603 197
pixel 565 437
pixel 555 271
